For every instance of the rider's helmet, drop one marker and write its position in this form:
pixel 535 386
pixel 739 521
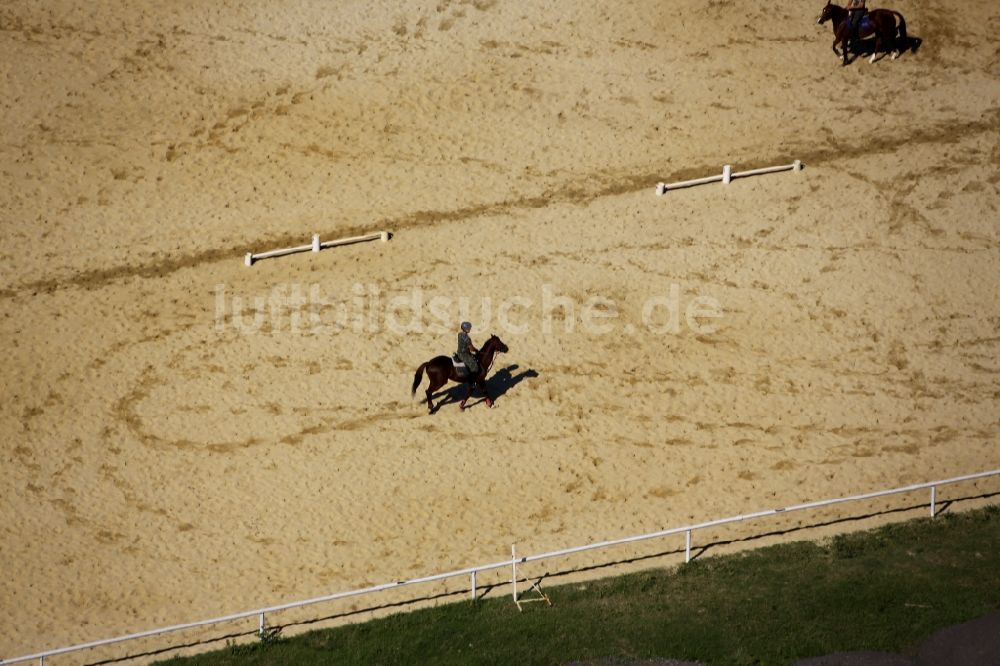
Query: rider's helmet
pixel 466 326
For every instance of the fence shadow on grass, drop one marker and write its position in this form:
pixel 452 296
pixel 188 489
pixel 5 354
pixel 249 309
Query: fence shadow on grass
pixel 701 549
pixel 485 590
pixel 154 652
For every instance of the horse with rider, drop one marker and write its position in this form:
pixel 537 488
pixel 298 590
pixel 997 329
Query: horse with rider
pixel 853 24
pixel 468 366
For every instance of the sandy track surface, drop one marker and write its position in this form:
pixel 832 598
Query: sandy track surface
pixel 181 439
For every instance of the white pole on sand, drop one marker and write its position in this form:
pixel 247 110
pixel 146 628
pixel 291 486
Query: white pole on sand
pixel 315 246
pixel 727 176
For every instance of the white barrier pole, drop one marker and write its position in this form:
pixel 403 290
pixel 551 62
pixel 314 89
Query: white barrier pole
pixel 687 546
pixel 315 246
pixel 354 239
pixel 933 499
pixel 473 585
pixel 688 183
pixel 728 175
pixel 764 170
pixel 282 252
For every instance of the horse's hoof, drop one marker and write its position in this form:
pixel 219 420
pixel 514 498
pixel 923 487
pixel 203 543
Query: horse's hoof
pixel 489 403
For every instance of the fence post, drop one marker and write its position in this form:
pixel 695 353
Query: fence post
pixel 797 165
pixel 262 628
pixel 727 174
pixel 513 572
pixel 933 499
pixel 687 546
pixel 316 247
pixel 473 585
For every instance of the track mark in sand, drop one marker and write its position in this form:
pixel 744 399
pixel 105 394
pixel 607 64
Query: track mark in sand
pixel 126 411
pixel 305 422
pixel 571 192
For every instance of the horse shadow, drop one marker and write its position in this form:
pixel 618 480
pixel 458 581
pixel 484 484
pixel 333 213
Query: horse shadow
pixel 911 44
pixel 866 47
pixel 502 381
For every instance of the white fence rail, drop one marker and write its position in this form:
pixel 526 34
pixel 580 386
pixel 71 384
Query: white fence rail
pixel 261 613
pixel 315 246
pixel 726 176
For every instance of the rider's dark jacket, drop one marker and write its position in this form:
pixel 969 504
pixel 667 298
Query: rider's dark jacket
pixel 465 351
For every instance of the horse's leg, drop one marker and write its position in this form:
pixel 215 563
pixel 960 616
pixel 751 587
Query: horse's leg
pixel 489 400
pixel 432 387
pixel 434 383
pixel 468 394
pixel 844 45
pixel 893 44
pixel 877 47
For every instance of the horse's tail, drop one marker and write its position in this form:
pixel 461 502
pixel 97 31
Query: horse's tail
pixel 417 378
pixel 902 27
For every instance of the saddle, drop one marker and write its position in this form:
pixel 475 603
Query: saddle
pixel 460 368
pixel 865 24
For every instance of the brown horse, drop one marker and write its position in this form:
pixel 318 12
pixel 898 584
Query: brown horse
pixel 881 23
pixel 440 370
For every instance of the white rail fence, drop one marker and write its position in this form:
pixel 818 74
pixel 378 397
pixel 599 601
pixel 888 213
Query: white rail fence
pixel 315 246
pixel 726 176
pixel 688 530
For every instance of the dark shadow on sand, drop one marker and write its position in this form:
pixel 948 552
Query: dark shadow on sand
pixel 498 385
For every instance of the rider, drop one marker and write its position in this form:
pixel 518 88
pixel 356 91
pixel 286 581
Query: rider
pixel 855 12
pixel 466 350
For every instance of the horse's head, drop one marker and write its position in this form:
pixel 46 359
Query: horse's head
pixel 497 344
pixel 827 13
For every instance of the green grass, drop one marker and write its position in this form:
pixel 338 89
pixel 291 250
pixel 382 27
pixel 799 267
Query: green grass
pixel 885 590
